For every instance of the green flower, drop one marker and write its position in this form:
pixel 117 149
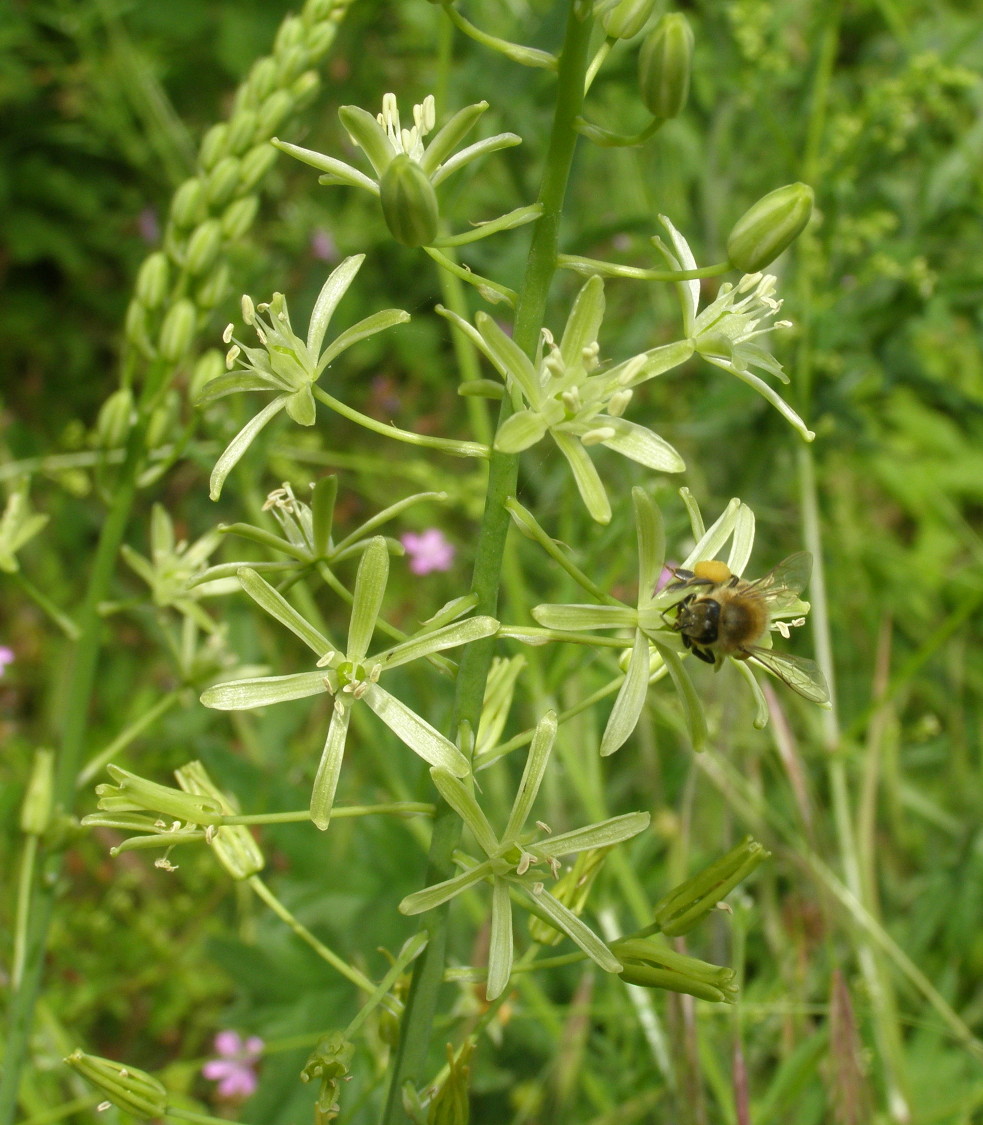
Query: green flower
pixel 569 396
pixel 408 172
pixel 651 626
pixel 727 331
pixel 284 363
pixel 510 857
pixel 351 676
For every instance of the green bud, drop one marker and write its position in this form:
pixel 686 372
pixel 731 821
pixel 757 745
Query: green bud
pixel 203 247
pixel 132 793
pixel 409 202
pixel 650 963
pixel 35 812
pixel 214 145
pixel 213 288
pixel 329 1064
pixel 290 34
pixel 115 419
pixel 686 906
pixel 222 181
pixel 292 62
pixel 263 79
pixel 770 226
pixel 238 217
pixel 152 280
pixel 131 1090
pixel 272 112
pixel 664 66
pixel 178 331
pixel 256 163
pixel 188 204
pixel 242 131
pixel 135 327
pixel 626 18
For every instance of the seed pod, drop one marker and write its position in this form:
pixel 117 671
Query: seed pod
pixel 769 226
pixel 409 202
pixel 664 65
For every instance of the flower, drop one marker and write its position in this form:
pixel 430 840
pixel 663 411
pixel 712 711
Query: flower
pixel 350 676
pixel 726 332
pixel 407 172
pixel 511 856
pixel 569 397
pixel 234 1070
pixel 6 657
pixel 284 363
pixel 428 551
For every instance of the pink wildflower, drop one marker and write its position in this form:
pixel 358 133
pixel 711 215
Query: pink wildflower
pixel 234 1071
pixel 428 551
pixel 6 657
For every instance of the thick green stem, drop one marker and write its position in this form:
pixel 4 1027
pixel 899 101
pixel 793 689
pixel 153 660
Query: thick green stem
pixel 410 1058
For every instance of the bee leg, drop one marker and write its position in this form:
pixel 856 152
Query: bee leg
pixel 700 653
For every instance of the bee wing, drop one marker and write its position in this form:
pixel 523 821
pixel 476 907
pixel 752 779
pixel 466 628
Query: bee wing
pixel 781 586
pixel 801 675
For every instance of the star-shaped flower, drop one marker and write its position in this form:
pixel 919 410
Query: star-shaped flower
pixel 568 395
pixel 510 857
pixel 284 363
pixel 350 676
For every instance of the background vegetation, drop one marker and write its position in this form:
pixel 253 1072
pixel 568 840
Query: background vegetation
pixel 859 945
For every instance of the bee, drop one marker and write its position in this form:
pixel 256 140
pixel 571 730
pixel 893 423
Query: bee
pixel 726 616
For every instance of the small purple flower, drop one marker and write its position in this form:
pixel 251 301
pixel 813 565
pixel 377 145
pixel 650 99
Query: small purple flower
pixel 6 657
pixel 234 1070
pixel 428 551
pixel 148 226
pixel 323 246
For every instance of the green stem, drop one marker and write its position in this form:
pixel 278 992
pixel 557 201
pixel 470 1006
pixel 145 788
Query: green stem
pixel 410 1058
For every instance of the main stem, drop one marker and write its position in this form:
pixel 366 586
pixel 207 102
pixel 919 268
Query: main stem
pixel 410 1057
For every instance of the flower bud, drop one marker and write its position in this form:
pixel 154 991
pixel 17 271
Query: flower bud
pixel 769 226
pixel 131 1090
pixel 208 366
pixel 35 812
pixel 115 419
pixel 329 1064
pixel 152 280
pixel 178 331
pixel 664 66
pixel 214 145
pixel 203 247
pixel 234 845
pixel 651 964
pixel 188 204
pixel 686 906
pixel 164 420
pixel 450 1105
pixel 242 130
pixel 627 18
pixel 256 163
pixel 222 181
pixel 238 217
pixel 409 202
pixel 272 112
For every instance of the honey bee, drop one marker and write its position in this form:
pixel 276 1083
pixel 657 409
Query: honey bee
pixel 726 616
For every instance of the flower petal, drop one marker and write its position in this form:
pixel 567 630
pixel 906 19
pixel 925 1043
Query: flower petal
pixel 642 445
pixel 230 456
pixel 241 695
pixel 277 606
pixel 500 945
pixel 416 732
pixel 327 301
pixel 329 767
pixel 532 775
pixel 630 701
pixel 370 588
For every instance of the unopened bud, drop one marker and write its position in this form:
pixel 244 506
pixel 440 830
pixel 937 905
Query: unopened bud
pixel 178 331
pixel 686 906
pixel 627 18
pixel 188 204
pixel 770 226
pixel 651 964
pixel 664 65
pixel 131 1090
pixel 233 844
pixel 203 247
pixel 409 202
pixel 35 812
pixel 222 181
pixel 451 1103
pixel 152 280
pixel 115 419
